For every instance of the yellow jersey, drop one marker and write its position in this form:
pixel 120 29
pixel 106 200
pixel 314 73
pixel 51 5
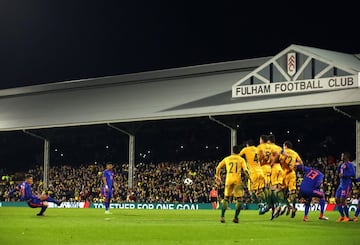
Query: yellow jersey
pixel 234 164
pixel 250 153
pixel 289 159
pixel 264 153
pixel 275 152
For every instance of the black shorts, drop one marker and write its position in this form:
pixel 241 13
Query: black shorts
pixel 213 199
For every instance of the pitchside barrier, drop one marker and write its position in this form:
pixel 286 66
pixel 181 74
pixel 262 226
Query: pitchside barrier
pixel 169 206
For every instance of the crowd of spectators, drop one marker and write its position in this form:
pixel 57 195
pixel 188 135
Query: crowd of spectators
pixel 153 183
pixel 162 182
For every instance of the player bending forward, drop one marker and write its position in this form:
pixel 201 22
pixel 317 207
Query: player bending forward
pixel 310 187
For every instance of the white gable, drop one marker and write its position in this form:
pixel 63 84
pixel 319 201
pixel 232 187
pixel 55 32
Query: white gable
pixel 299 63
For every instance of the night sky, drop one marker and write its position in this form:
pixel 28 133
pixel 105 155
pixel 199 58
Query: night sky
pixel 45 42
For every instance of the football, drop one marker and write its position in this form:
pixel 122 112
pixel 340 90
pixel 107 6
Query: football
pixel 188 181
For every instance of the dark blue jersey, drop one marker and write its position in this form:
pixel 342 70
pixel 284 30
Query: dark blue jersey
pixel 312 178
pixel 347 170
pixel 109 175
pixel 26 191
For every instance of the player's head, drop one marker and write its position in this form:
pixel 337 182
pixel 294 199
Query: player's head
pixel 29 178
pixel 271 138
pixel 236 149
pixel 249 142
pixel 109 165
pixel 263 138
pixel 345 156
pixel 288 144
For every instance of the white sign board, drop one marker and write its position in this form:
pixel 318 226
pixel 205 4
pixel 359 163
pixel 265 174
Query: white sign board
pixel 310 85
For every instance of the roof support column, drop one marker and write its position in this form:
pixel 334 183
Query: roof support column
pixel 131 155
pixel 233 132
pixel 46 158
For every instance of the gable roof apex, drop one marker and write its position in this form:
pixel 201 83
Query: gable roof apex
pixel 349 63
pixel 345 60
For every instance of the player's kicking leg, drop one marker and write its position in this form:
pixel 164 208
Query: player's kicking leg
pixel 47 198
pixel 37 203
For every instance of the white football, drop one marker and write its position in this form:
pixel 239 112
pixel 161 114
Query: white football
pixel 188 181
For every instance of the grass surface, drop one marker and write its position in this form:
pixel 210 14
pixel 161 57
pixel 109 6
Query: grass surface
pixel 92 226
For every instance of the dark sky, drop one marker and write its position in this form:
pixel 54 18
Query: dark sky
pixel 43 41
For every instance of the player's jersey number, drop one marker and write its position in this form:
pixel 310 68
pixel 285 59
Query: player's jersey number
pixel 256 158
pixel 312 174
pixel 288 159
pixel 233 166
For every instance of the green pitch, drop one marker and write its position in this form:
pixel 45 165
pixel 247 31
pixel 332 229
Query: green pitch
pixel 91 226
